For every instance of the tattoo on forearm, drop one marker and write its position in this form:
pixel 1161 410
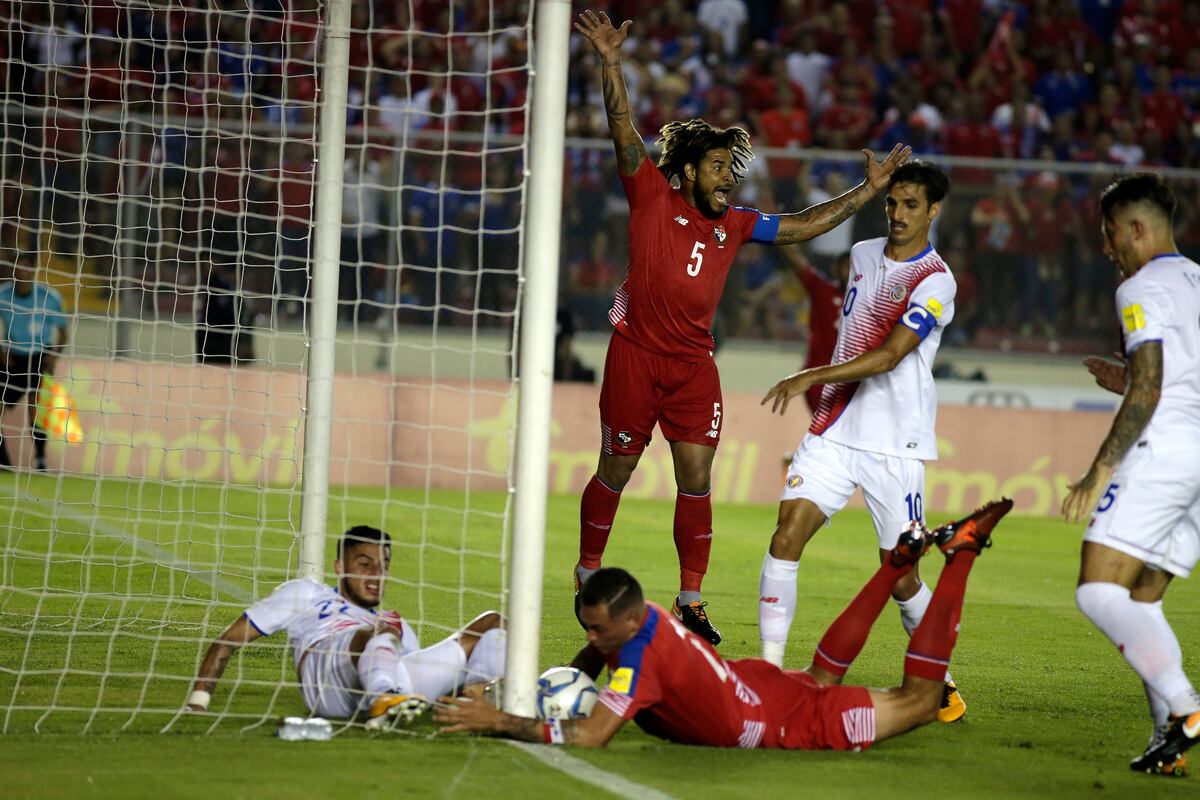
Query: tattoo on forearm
pixel 630 149
pixel 1146 368
pixel 819 219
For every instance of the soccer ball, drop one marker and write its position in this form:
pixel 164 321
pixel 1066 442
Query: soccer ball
pixel 565 693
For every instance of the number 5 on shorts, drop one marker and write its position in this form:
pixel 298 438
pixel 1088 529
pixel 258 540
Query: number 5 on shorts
pixel 716 420
pixel 1110 497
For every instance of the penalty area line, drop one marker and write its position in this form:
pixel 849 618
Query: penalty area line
pixel 581 770
pixel 160 555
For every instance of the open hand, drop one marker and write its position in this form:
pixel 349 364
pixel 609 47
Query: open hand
pixel 467 714
pixel 878 173
pixel 782 393
pixel 1082 495
pixel 604 37
pixel 1109 374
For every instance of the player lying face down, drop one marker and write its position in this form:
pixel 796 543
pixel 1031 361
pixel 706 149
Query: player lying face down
pixel 676 686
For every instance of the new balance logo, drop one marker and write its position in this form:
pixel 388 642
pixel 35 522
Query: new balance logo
pixel 768 599
pixel 599 527
pixel 705 535
pixel 712 434
pixel 682 220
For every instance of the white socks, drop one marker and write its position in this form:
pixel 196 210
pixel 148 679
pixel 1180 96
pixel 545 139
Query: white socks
pixel 379 667
pixel 912 610
pixel 487 660
pixel 776 606
pixel 1141 632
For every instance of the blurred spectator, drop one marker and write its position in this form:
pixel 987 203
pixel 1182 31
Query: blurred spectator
pixel 809 67
pixel 825 291
pixel 1000 220
pixel 1126 149
pixel 363 246
pixel 593 280
pixel 967 134
pixel 1063 88
pixel 1020 124
pixel 222 319
pixel 727 18
pixel 825 249
pixel 784 126
pixel 567 366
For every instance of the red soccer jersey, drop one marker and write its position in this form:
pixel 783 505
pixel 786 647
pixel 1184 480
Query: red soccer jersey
pixel 678 262
pixel 825 297
pixel 678 688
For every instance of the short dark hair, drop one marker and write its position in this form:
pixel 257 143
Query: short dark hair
pixel 362 534
pixel 1140 187
pixel 687 142
pixel 936 184
pixel 613 587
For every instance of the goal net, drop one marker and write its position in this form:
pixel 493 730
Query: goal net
pixel 158 164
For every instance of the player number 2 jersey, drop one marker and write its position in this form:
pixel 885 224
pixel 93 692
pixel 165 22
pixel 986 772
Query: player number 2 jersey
pixel 678 262
pixel 675 686
pixel 312 611
pixel 892 413
pixel 1162 303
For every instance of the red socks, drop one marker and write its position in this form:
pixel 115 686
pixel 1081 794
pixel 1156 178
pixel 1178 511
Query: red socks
pixel 929 649
pixel 844 639
pixel 597 510
pixel 693 538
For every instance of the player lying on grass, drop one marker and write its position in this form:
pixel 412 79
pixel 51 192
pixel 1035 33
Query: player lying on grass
pixel 674 685
pixel 353 660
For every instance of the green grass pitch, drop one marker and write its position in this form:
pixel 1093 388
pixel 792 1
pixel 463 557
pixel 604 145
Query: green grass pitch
pixel 1052 709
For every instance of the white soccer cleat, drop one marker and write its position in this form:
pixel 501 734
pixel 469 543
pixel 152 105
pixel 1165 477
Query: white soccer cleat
pixel 390 709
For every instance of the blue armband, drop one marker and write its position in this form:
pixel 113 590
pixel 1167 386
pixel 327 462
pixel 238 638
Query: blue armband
pixel 766 228
pixel 919 320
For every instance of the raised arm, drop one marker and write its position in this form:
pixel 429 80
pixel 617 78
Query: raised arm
pixel 1141 398
pixel 239 633
pixel 824 217
pixel 631 150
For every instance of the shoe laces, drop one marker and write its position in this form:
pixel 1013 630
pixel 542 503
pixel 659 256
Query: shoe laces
pixel 698 609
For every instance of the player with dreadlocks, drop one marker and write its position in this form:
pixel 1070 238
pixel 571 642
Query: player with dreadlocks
pixel 659 367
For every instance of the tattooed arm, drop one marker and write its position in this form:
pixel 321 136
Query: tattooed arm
pixel 1141 398
pixel 464 714
pixel 824 217
pixel 631 150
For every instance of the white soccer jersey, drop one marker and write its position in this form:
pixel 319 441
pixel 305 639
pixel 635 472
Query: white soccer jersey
pixel 1162 303
pixel 312 612
pixel 892 413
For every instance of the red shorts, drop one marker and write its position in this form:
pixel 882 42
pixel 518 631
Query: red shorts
pixel 642 388
pixel 805 715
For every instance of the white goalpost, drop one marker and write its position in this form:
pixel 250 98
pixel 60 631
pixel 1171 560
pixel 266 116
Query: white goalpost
pixel 300 292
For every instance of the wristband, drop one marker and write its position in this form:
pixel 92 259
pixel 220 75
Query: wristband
pixel 552 732
pixel 199 698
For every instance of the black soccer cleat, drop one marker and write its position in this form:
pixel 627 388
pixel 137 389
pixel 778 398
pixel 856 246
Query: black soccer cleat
pixel 578 586
pixel 973 532
pixel 914 542
pixel 1165 755
pixel 695 619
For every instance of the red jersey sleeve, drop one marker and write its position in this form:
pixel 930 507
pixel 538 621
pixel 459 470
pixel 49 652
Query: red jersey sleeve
pixel 633 682
pixel 645 186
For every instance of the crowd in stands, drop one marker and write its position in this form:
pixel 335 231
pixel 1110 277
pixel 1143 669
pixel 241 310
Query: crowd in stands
pixel 1070 81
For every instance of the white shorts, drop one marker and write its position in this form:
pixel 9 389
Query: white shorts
pixel 1151 509
pixel 827 473
pixel 331 686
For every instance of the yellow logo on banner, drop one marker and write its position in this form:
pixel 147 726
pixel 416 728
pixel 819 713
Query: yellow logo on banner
pixel 621 680
pixel 1132 318
pixel 934 307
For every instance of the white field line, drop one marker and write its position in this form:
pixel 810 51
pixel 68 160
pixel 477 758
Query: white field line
pixel 158 554
pixel 580 770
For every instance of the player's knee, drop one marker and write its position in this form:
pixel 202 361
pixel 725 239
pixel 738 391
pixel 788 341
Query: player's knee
pixel 1093 598
pixel 907 587
pixel 791 535
pixel 616 471
pixel 488 620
